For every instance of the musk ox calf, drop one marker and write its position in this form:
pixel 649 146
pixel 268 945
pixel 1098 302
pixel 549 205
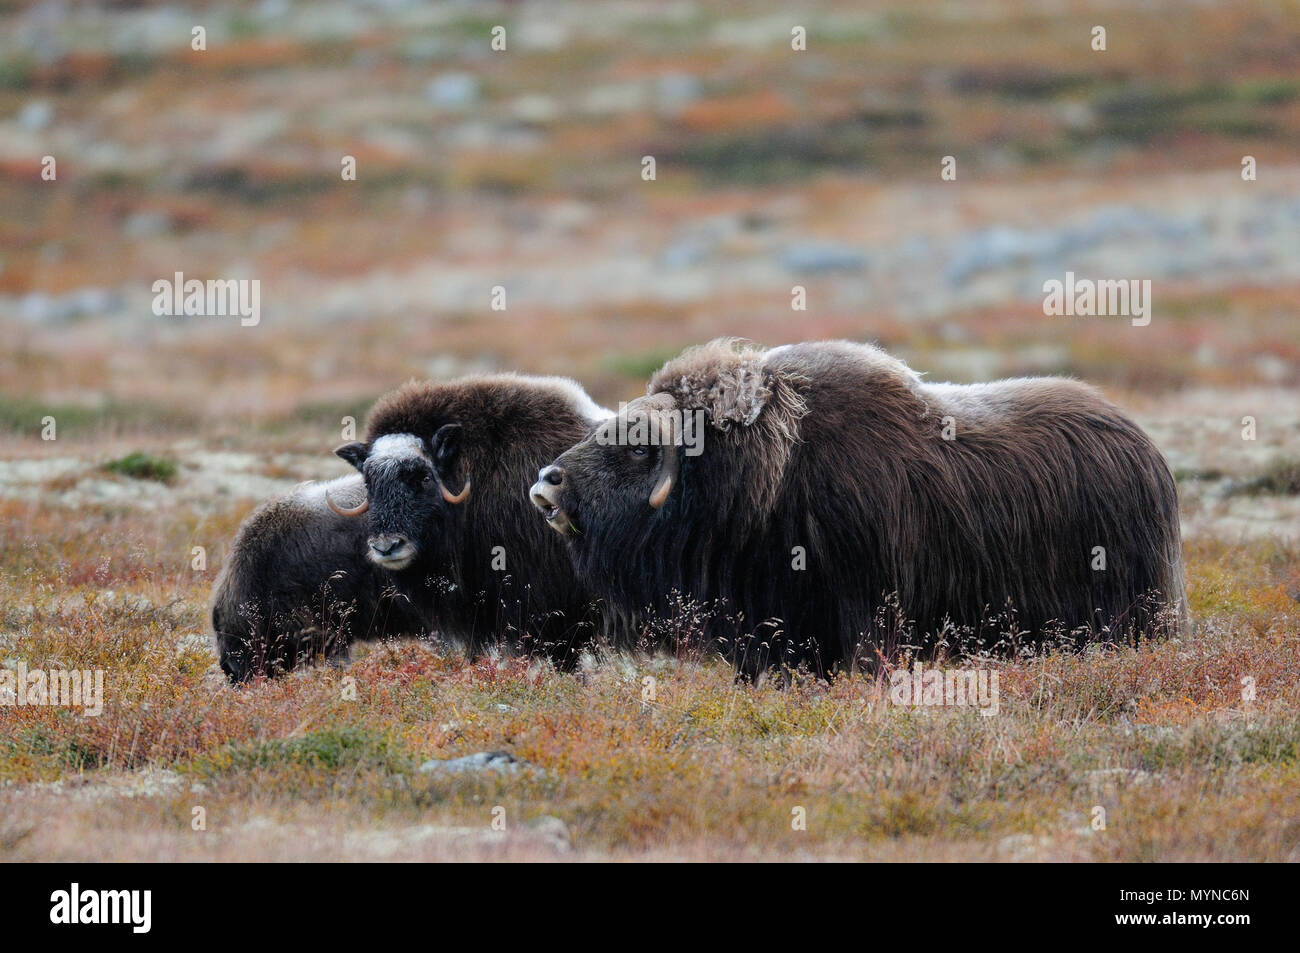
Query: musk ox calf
pixel 436 534
pixel 296 584
pixel 822 502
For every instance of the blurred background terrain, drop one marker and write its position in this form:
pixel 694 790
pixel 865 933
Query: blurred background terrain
pixel 774 168
pixel 522 169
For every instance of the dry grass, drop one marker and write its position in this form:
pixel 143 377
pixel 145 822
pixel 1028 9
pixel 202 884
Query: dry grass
pixel 1158 736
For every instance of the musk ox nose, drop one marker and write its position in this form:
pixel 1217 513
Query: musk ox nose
pixel 545 493
pixel 387 545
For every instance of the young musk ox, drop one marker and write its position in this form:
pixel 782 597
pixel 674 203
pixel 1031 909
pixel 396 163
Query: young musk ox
pixel 833 504
pixel 472 564
pixel 296 585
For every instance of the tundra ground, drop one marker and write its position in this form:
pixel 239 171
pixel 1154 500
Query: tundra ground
pixel 97 574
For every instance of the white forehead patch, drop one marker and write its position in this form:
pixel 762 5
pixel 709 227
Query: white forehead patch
pixel 396 446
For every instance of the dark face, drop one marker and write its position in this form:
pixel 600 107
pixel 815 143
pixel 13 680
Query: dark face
pixel 623 472
pixel 407 496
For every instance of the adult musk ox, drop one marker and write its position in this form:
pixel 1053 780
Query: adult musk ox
pixel 447 517
pixel 823 502
pixel 395 550
pixel 296 584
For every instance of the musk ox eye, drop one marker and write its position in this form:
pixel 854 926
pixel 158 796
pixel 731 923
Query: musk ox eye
pixel 427 481
pixel 639 451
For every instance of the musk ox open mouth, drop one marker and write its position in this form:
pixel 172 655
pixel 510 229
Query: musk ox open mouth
pixel 560 521
pixel 545 498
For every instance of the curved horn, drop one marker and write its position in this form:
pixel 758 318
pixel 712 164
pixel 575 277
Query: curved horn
pixel 456 498
pixel 668 468
pixel 355 511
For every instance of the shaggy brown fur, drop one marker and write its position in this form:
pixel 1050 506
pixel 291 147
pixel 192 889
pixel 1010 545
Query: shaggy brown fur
pixel 298 582
pixel 505 427
pixel 829 520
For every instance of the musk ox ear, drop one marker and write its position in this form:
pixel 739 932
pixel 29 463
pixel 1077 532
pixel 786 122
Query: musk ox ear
pixel 445 446
pixel 354 453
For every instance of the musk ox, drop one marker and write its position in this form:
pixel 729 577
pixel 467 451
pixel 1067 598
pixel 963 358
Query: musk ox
pixel 447 518
pixel 395 551
pixel 822 503
pixel 296 584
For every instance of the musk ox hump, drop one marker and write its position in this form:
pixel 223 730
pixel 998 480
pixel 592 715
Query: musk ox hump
pixel 732 381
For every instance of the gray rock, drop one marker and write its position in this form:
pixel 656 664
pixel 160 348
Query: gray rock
pixel 676 90
pixel 990 248
pixel 38 307
pixel 147 224
pixel 501 762
pixel 684 254
pixel 452 90
pixel 815 257
pixel 36 115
